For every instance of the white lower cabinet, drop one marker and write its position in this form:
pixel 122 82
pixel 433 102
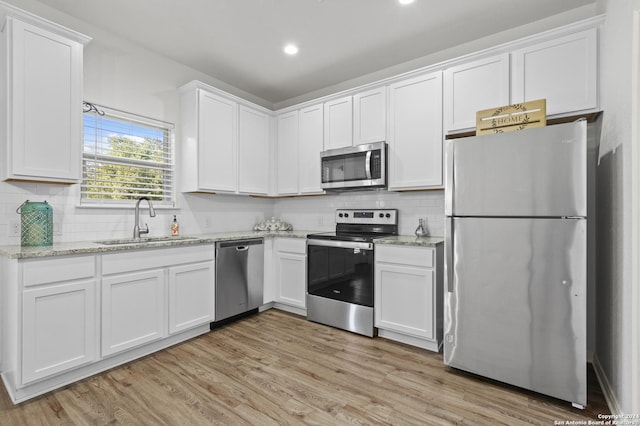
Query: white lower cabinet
pixel 58 315
pixel 408 294
pixel 291 272
pixel 58 328
pixel 68 317
pixel 133 310
pixel 155 293
pixel 191 293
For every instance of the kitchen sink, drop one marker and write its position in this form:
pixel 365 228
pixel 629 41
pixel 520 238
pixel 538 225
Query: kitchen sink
pixel 150 240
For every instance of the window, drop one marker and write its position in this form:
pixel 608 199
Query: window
pixel 125 157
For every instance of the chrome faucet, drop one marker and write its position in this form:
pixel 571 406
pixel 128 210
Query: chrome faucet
pixel 152 213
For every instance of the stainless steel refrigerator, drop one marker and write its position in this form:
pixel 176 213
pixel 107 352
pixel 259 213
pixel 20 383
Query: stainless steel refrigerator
pixel 516 258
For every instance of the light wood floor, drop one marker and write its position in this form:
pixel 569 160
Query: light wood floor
pixel 275 368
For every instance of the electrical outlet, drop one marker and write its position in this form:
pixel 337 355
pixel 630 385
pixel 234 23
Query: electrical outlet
pixel 207 222
pixel 14 228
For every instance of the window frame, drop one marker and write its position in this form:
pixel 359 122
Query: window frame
pixel 128 117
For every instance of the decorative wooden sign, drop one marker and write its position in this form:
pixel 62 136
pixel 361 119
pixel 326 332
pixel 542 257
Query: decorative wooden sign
pixel 512 117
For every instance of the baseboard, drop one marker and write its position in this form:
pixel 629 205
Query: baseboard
pixel 290 309
pixel 607 390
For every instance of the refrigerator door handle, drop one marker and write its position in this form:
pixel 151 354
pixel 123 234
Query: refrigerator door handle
pixel 448 179
pixel 448 249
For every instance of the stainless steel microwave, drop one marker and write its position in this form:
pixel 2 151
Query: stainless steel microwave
pixel 358 167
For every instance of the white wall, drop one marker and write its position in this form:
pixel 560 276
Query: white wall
pixel 616 334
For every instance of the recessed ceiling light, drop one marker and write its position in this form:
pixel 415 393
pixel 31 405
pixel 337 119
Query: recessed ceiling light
pixel 405 1
pixel 290 49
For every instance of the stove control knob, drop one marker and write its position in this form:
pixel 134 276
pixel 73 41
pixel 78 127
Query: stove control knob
pixel 388 215
pixel 340 215
pixel 381 215
pixel 346 215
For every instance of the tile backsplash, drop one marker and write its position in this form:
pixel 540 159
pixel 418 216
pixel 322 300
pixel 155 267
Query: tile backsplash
pixel 205 214
pixel 318 212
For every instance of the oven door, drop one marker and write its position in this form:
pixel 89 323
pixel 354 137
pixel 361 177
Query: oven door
pixel 340 270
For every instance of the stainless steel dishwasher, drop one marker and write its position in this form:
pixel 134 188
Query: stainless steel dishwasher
pixel 239 277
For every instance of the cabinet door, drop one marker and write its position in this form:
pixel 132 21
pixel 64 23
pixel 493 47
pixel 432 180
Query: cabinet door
pixel 133 310
pixel 310 144
pixel 288 153
pixel 217 143
pixel 415 133
pixel 338 123
pixel 291 280
pixel 563 71
pixel 370 116
pixel 191 296
pixel 58 328
pixel 44 104
pixel 472 87
pixel 405 299
pixel 253 151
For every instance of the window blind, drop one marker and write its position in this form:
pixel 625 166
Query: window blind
pixel 124 157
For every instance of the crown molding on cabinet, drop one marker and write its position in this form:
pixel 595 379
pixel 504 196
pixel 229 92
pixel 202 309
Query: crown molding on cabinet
pixel 9 10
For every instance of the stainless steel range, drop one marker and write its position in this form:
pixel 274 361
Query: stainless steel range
pixel 340 269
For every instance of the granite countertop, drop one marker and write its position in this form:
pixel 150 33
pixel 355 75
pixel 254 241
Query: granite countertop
pixel 410 240
pixel 89 247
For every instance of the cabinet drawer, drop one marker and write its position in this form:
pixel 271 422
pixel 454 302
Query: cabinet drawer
pixel 405 255
pixel 57 269
pixel 291 245
pixel 155 258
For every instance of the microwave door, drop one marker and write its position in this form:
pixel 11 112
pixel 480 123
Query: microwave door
pixel 355 168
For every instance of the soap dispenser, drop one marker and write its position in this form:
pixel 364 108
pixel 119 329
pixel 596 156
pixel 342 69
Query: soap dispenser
pixel 421 232
pixel 175 227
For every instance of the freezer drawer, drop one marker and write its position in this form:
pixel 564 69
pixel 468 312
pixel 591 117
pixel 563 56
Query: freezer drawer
pixel 515 306
pixel 534 172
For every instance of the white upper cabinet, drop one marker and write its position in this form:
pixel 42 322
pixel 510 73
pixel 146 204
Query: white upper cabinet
pixel 338 123
pixel 563 71
pixel 369 116
pixel 415 133
pixel 310 142
pixel 474 86
pixel 42 96
pixel 287 155
pixel 217 143
pixel 224 143
pixel 253 151
pixel 356 120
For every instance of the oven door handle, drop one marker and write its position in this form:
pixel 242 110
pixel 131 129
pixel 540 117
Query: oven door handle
pixel 340 244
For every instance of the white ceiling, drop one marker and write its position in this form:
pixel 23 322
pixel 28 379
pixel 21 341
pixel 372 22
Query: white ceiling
pixel 240 41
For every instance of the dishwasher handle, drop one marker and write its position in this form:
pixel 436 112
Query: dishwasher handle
pixel 239 244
